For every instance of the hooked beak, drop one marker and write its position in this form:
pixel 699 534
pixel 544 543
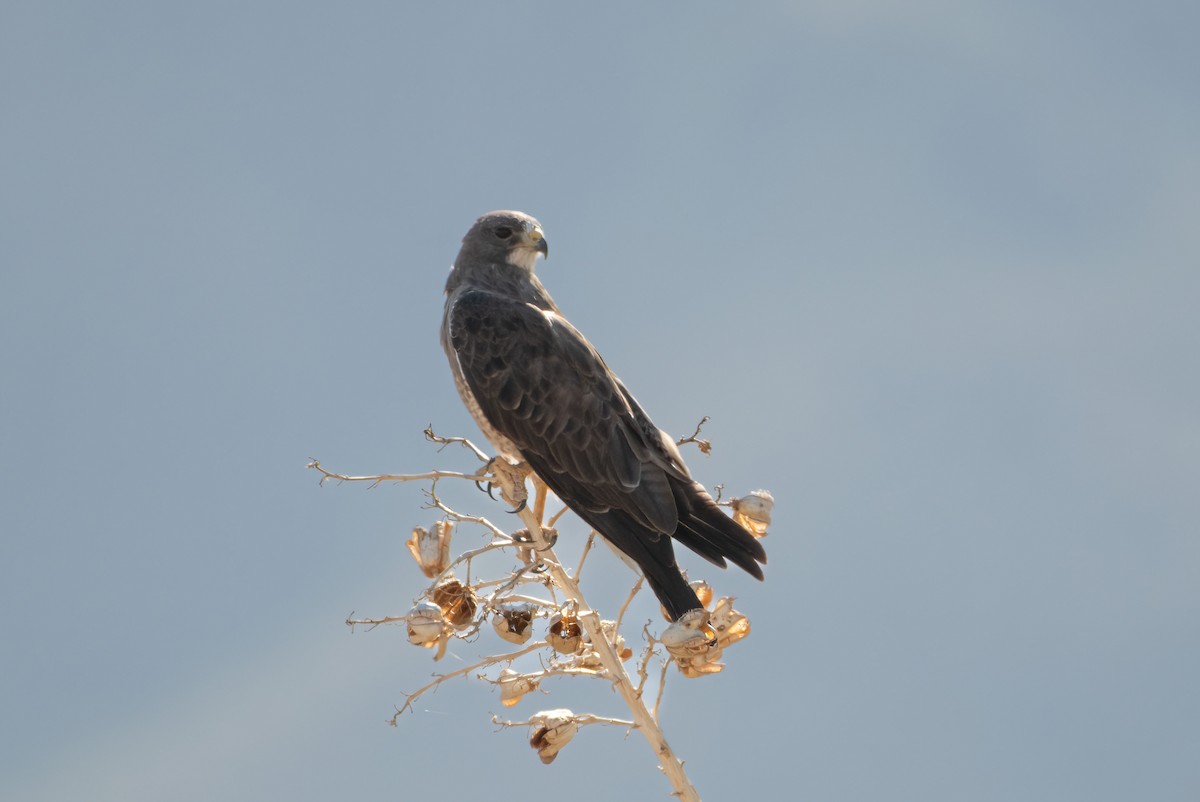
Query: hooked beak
pixel 539 242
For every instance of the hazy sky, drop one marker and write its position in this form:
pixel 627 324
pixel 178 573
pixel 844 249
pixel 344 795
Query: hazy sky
pixel 932 268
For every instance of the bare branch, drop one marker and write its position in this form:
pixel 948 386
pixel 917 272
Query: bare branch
pixel 580 718
pixel 487 661
pixel 554 670
pixel 374 622
pixel 554 518
pixel 467 556
pixel 518 577
pixel 517 597
pixel 636 587
pixel 393 477
pixel 644 664
pixel 586 548
pixel 445 441
pixel 437 504
pixel 705 446
pixel 662 683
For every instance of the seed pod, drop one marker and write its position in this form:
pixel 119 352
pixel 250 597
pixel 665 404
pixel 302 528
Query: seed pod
pixel 513 621
pixel 730 625
pixel 690 636
pixel 431 547
pixel 609 628
pixel 753 511
pixel 700 670
pixel 590 658
pixel 457 601
pixel 692 643
pixel 425 624
pixel 552 730
pixel 565 635
pixel 513 686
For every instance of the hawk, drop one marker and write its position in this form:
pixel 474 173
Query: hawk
pixel 543 396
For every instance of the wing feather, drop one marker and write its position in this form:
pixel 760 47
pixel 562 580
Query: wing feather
pixel 542 384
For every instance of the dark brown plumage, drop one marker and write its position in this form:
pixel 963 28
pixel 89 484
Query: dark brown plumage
pixel 541 393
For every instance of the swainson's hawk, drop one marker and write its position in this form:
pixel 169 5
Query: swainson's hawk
pixel 541 394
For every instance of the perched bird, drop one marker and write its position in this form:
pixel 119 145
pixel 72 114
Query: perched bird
pixel 542 395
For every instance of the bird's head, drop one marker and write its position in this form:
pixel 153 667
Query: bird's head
pixel 511 237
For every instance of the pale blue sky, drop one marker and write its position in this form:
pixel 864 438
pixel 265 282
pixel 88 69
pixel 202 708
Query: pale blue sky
pixel 932 268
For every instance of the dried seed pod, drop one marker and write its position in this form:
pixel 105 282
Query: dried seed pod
pixel 457 601
pixel 552 730
pixel 700 670
pixel 566 634
pixel 753 511
pixel 431 547
pixel 425 624
pixel 513 686
pixel 692 643
pixel 513 621
pixel 690 636
pixel 590 658
pixel 609 628
pixel 730 625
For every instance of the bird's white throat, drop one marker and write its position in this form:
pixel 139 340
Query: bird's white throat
pixel 524 258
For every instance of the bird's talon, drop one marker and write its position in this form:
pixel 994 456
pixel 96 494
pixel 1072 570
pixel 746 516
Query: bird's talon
pixel 520 507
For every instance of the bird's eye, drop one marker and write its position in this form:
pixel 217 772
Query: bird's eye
pixel 504 232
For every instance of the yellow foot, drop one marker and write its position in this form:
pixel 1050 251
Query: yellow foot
pixel 510 479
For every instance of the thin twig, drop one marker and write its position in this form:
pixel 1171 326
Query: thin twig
pixel 378 479
pixel 553 671
pixel 662 683
pixel 374 622
pixel 705 446
pixel 487 661
pixel 643 671
pixel 519 597
pixel 636 587
pixel 445 441
pixel 507 585
pixel 467 556
pixel 437 504
pixel 581 719
pixel 586 548
pixel 539 499
pixel 554 518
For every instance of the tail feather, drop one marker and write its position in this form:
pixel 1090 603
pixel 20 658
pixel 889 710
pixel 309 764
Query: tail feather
pixel 696 539
pixel 705 529
pixel 725 535
pixel 701 526
pixel 653 554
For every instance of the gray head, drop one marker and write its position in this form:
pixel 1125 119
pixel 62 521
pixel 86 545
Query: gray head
pixel 508 237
